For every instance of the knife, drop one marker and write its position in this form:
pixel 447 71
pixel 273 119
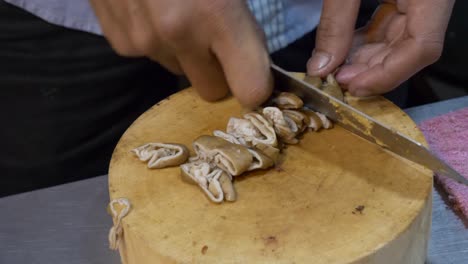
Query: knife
pixel 362 125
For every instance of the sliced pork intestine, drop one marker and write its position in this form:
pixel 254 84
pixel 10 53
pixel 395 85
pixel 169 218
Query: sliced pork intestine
pixel 284 126
pixel 230 138
pixel 260 160
pixel 332 88
pixel 317 120
pixel 204 175
pixel 265 127
pixel 298 117
pixel 162 155
pixel 243 130
pixel 271 152
pixel 326 123
pixel 288 101
pixel 249 131
pixel 224 182
pixel 314 121
pixel 233 158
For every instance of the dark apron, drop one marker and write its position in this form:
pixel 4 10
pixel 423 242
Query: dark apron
pixel 65 100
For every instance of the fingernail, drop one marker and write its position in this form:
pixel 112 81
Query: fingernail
pixel 319 60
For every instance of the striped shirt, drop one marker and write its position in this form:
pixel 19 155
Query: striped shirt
pixel 283 21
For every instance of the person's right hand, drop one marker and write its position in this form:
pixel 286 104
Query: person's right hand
pixel 215 43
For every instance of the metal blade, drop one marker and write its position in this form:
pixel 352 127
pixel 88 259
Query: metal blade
pixel 362 124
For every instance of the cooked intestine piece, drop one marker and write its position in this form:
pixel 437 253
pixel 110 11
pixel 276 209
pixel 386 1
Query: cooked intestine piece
pixel 243 130
pixel 285 127
pixel 216 183
pixel 233 158
pixel 266 129
pixel 227 187
pixel 298 117
pixel 271 152
pixel 332 88
pixel 229 137
pixel 317 120
pixel 314 80
pixel 251 130
pixel 162 155
pixel 326 123
pixel 260 160
pixel 288 101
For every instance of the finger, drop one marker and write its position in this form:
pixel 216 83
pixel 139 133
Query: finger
pixel 144 37
pixel 140 28
pixel 375 30
pixel 402 62
pixel 359 62
pixel 244 58
pixel 364 53
pixel 204 72
pixel 168 61
pixel 334 36
pixel 369 58
pixel 429 30
pixel 112 30
pixel 377 27
pixel 402 5
pixel 348 72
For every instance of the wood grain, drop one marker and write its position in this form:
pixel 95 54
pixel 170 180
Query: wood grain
pixel 307 212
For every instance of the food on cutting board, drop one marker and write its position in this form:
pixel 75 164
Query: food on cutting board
pixel 250 143
pixel 162 155
pixel 332 88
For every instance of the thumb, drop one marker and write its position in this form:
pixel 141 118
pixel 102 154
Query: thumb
pixel 334 36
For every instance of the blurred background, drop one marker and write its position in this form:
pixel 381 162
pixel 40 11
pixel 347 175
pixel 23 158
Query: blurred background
pixel 446 78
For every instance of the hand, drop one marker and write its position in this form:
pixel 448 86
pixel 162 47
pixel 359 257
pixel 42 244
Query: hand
pixel 216 43
pixel 402 37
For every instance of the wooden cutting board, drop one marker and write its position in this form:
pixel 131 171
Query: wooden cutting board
pixel 335 198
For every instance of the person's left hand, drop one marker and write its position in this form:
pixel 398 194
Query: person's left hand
pixel 402 37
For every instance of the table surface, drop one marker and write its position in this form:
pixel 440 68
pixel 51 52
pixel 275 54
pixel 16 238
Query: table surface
pixel 69 223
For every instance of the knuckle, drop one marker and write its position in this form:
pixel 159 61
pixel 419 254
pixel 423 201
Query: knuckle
pixel 326 29
pixel 221 16
pixel 172 67
pixel 119 44
pixel 123 49
pixel 173 27
pixel 143 42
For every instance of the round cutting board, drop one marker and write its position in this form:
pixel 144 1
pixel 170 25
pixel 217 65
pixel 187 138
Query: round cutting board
pixel 334 199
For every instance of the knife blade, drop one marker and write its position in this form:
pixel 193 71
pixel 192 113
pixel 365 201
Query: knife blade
pixel 362 125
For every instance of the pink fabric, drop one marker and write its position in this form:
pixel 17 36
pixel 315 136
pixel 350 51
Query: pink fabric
pixel 447 136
